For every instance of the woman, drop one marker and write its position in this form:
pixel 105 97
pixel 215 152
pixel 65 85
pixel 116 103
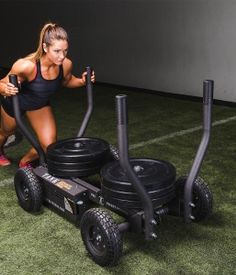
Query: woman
pixel 40 74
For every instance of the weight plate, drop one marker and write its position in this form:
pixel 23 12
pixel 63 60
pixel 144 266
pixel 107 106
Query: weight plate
pixel 78 149
pixel 73 173
pixel 77 157
pixel 157 176
pixel 127 204
pixel 75 165
pixel 154 194
pixel 151 172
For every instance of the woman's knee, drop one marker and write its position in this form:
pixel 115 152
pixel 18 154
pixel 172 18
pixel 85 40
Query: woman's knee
pixel 46 142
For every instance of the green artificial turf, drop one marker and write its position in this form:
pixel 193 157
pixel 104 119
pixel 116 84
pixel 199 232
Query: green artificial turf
pixel 46 243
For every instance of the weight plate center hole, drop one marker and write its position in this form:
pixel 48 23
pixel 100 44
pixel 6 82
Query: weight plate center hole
pixel 138 168
pixel 78 145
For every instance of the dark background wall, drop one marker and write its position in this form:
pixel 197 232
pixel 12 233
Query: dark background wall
pixel 162 45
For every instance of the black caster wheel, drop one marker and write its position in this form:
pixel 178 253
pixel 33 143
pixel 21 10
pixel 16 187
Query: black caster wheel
pixel 101 237
pixel 202 198
pixel 28 190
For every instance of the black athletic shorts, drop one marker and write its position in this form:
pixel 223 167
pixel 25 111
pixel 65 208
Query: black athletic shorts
pixel 7 106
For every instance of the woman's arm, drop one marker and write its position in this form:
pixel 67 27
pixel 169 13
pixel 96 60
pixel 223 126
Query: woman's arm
pixel 23 69
pixel 71 81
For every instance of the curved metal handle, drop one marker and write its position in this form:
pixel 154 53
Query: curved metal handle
pixel 126 166
pixel 21 125
pixel 208 89
pixel 89 88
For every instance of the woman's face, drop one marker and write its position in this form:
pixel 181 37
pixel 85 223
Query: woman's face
pixel 57 51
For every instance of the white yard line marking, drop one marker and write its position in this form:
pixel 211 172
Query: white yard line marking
pixel 10 181
pixel 5 182
pixel 179 133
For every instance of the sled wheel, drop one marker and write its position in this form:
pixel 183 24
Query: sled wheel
pixel 28 190
pixel 202 198
pixel 101 237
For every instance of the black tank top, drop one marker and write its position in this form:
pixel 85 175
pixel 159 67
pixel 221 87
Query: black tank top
pixel 35 94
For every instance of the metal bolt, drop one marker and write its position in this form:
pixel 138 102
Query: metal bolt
pixel 192 217
pixel 192 204
pixel 153 222
pixel 98 238
pixel 154 235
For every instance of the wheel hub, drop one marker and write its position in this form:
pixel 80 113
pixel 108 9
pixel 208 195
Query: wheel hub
pixel 97 239
pixel 26 193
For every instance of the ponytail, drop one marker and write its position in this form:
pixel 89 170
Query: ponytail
pixel 49 32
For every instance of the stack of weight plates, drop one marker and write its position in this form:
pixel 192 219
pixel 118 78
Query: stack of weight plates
pixel 157 177
pixel 77 157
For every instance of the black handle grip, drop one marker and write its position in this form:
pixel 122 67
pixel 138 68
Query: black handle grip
pixel 88 76
pixel 13 79
pixel 89 89
pixel 208 87
pixel 121 109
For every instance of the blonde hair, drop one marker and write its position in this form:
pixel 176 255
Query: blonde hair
pixel 49 32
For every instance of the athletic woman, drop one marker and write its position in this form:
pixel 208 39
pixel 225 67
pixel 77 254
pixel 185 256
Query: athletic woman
pixel 40 74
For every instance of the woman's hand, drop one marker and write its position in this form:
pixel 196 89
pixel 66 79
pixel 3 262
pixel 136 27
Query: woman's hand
pixel 92 77
pixel 10 90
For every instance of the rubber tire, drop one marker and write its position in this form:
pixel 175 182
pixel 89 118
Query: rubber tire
pixel 99 222
pixel 28 190
pixel 202 198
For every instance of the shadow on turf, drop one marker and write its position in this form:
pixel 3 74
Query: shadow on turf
pixel 171 233
pixel 216 221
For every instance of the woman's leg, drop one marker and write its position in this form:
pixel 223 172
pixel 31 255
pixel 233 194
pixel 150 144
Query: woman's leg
pixel 43 123
pixel 8 126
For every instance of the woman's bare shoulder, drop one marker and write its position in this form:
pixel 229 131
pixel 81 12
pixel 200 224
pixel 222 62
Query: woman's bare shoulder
pixel 24 65
pixel 67 64
pixel 24 68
